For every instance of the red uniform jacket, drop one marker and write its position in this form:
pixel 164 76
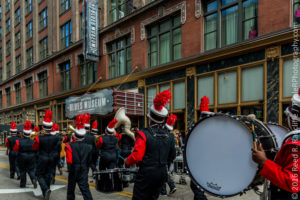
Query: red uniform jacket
pixel 69 154
pixel 6 143
pixel 139 149
pixel 284 171
pixel 100 141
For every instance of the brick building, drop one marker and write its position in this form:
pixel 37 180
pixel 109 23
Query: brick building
pixel 237 52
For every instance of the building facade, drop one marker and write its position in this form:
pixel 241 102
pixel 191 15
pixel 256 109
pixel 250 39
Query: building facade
pixel 239 53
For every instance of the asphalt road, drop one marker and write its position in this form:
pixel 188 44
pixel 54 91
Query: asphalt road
pixel 9 189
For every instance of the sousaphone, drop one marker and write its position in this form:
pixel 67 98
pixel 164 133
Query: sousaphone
pixel 124 120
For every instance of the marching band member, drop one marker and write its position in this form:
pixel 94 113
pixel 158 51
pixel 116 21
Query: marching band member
pixel 108 146
pixel 126 145
pixel 78 155
pixel 55 132
pixel 90 139
pixel 12 155
pixel 26 156
pixel 95 152
pixel 47 146
pixel 284 173
pixel 169 125
pixel 154 148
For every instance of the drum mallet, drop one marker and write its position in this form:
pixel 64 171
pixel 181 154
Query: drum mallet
pixel 252 118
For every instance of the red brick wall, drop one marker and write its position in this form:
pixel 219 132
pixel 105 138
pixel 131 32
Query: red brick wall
pixel 273 16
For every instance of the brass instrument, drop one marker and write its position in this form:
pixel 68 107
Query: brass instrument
pixel 70 130
pixel 33 135
pixel 124 120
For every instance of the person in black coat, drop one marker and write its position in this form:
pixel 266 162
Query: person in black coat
pixel 48 147
pixel 26 156
pixel 108 146
pixel 154 148
pixel 78 154
pixel 12 155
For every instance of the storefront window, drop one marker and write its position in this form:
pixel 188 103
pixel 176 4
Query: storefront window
pixel 252 83
pixel 227 87
pixel 289 75
pixel 257 110
pixel 179 95
pixel 206 88
pixel 151 93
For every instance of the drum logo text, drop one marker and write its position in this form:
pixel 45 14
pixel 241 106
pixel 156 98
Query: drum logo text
pixel 213 186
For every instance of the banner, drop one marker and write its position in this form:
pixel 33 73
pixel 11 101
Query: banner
pixel 99 103
pixel 91 37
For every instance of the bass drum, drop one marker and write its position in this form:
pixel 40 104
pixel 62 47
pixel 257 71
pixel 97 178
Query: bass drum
pixel 279 132
pixel 218 154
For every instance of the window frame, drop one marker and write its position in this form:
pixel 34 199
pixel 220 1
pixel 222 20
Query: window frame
pixel 43 83
pixel 29 50
pixel 8 47
pixel 28 6
pixel 17 16
pixel 29 85
pixel 62 6
pixel 8 96
pixel 18 64
pixel 1 99
pixel 64 36
pixel 8 70
pixel 43 19
pixel 8 26
pixel 18 92
pixel 18 40
pixel 128 10
pixel 63 76
pixel 29 31
pixel 43 48
pixel 84 71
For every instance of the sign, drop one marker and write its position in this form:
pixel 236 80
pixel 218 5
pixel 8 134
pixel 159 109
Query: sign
pixel 100 103
pixel 91 24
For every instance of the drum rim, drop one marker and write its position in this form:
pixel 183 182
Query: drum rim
pixel 185 162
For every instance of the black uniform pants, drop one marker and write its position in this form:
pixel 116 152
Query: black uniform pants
pixel 198 194
pixel 45 166
pixel 276 193
pixel 13 165
pixel 108 160
pixel 94 160
pixel 78 175
pixel 28 168
pixel 149 182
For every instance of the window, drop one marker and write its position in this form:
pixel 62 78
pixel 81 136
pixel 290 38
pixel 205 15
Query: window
pixel 66 34
pixel 1 74
pixel 164 41
pixel 151 93
pixel 0 54
pixel 65 72
pixel 64 5
pixel 8 25
pixel 43 19
pixel 0 12
pixel 8 70
pixel 29 57
pixel 43 84
pixel 81 26
pixel 17 16
pixel 290 86
pixel 88 72
pixel 29 89
pixel 8 100
pixel 29 30
pixel 43 48
pixel 119 53
pixel 227 85
pixel 0 33
pixel 120 8
pixel 252 90
pixel 18 93
pixel 296 6
pixel 28 4
pixel 8 47
pixel 237 19
pixel 1 100
pixel 179 95
pixel 18 40
pixel 18 64
pixel 205 87
pixel 7 5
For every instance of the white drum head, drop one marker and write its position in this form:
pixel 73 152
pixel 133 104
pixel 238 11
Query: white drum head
pixel 279 132
pixel 218 156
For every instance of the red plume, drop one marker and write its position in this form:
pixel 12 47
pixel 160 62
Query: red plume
pixel 55 127
pixel 48 116
pixel 162 99
pixel 36 129
pixel 27 125
pixel 87 118
pixel 13 125
pixel 95 125
pixel 299 91
pixel 79 121
pixel 112 123
pixel 204 104
pixel 172 120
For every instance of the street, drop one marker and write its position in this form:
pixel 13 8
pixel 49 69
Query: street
pixel 9 189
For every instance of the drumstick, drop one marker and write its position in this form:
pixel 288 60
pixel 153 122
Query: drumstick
pixel 251 118
pixel 121 157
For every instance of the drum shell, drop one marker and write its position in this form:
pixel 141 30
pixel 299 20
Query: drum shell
pixel 108 181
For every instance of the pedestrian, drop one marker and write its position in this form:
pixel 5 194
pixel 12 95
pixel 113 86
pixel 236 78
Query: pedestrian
pixel 154 148
pixel 26 156
pixel 79 156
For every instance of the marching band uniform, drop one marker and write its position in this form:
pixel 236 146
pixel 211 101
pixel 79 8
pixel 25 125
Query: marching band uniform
pixel 10 143
pixel 90 139
pixel 107 143
pixel 283 172
pixel 78 155
pixel 169 125
pixel 26 156
pixel 55 132
pixel 126 146
pixel 95 151
pixel 48 147
pixel 154 148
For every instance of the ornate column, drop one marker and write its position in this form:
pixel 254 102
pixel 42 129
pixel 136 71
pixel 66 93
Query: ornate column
pixel 190 96
pixel 141 88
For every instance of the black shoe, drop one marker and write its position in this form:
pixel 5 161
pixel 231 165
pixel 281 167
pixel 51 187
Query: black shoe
pixel 173 190
pixel 22 186
pixel 34 184
pixel 18 178
pixel 11 177
pixel 47 195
